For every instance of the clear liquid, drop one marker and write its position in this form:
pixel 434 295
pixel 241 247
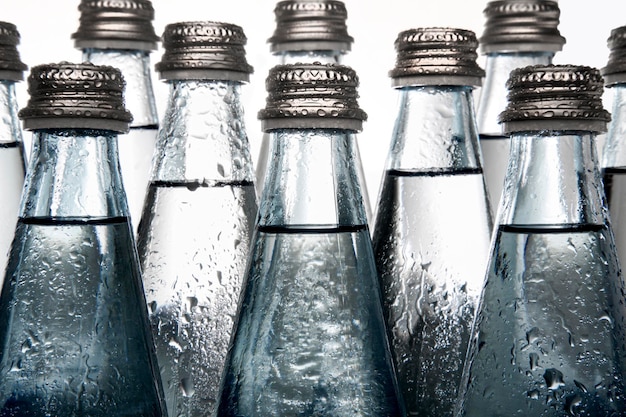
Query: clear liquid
pixel 431 244
pixel 193 244
pixel 550 333
pixel 495 152
pixel 11 183
pixel 311 339
pixel 73 331
pixel 136 149
pixel 615 189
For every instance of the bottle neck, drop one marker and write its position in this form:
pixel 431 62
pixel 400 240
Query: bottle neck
pixel 312 181
pixel 493 95
pixel 435 130
pixel 203 138
pixel 322 56
pixel 10 129
pixel 553 179
pixel 139 93
pixel 74 174
pixel 614 155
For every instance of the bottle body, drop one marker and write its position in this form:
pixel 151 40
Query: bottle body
pixel 495 146
pixel 136 148
pixel 74 327
pixel 614 170
pixel 12 167
pixel 194 237
pixel 310 337
pixel 547 340
pixel 431 243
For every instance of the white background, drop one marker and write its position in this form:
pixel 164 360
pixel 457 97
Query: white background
pixel 46 27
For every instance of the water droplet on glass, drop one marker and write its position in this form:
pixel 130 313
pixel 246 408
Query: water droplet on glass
pixel 534 361
pixel 571 403
pixel 532 335
pixel 187 387
pixel 581 386
pixel 534 394
pixel 553 378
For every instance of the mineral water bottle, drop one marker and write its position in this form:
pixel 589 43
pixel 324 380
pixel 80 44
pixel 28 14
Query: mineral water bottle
pixel 74 335
pixel 549 337
pixel 12 154
pixel 195 231
pixel 614 155
pixel 120 34
pixel 310 338
pixel 517 33
pixel 310 31
pixel 433 227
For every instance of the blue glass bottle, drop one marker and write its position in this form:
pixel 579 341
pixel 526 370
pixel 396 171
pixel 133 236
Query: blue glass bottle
pixel 549 337
pixel 310 339
pixel 518 33
pixel 12 154
pixel 74 332
pixel 310 31
pixel 433 227
pixel 195 232
pixel 120 34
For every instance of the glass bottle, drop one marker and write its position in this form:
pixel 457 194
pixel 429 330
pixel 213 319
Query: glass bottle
pixel 12 154
pixel 549 337
pixel 310 31
pixel 310 338
pixel 518 33
pixel 614 155
pixel 74 332
pixel 432 233
pixel 120 34
pixel 195 232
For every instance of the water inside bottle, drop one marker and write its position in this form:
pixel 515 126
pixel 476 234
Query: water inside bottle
pixel 71 322
pixel 431 243
pixel 192 288
pixel 550 326
pixel 11 183
pixel 311 338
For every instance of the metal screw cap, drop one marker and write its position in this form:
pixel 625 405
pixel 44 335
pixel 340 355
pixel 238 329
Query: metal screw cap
pixel 310 25
pixel 615 70
pixel 75 96
pixel 555 97
pixel 522 26
pixel 436 56
pixel 116 24
pixel 312 95
pixel 204 51
pixel 11 67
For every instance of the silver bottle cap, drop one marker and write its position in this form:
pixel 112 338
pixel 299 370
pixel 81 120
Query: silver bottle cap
pixel 312 95
pixel 522 26
pixel 555 97
pixel 436 56
pixel 310 25
pixel 116 24
pixel 11 67
pixel 75 96
pixel 204 51
pixel 615 70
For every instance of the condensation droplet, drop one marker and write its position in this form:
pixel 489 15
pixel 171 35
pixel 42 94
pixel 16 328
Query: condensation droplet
pixel 187 387
pixel 553 378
